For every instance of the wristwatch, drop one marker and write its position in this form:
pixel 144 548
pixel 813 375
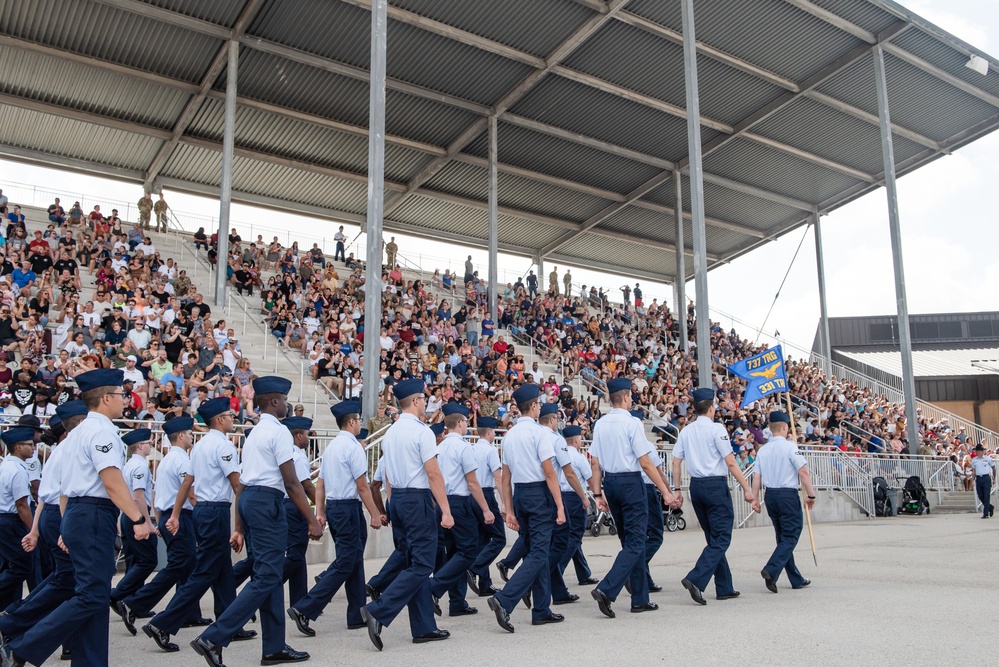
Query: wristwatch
pixel 598 495
pixel 811 497
pixel 141 520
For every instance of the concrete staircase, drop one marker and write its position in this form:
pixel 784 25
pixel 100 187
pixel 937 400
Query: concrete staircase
pixel 955 502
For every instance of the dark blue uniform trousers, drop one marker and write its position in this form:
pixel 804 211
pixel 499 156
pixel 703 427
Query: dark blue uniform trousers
pixel 54 589
pixel 983 487
pixel 88 530
pixel 140 560
pixel 17 564
pixel 461 543
pixel 579 560
pixel 345 519
pixel 516 552
pixel 536 513
pixel 396 562
pixel 180 564
pixel 212 569
pixel 629 505
pixel 262 513
pixel 784 508
pixel 295 570
pixel 415 518
pixel 654 537
pixel 492 539
pixel 575 519
pixel 712 502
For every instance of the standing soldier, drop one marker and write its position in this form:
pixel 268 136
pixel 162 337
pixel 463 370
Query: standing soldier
pixel 780 465
pixel 340 492
pixel 140 556
pixel 985 470
pixel 533 506
pixel 145 208
pixel 160 208
pixel 268 471
pixel 553 281
pixel 94 491
pixel 567 282
pixel 15 513
pixel 575 515
pixel 704 445
pixel 492 537
pixel 214 477
pixel 391 251
pixel 458 465
pixel 411 468
pixel 379 420
pixel 619 454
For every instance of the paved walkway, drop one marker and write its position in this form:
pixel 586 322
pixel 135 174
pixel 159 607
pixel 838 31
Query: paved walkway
pixel 905 590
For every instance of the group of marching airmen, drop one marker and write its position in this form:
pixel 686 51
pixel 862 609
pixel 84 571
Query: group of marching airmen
pixel 448 526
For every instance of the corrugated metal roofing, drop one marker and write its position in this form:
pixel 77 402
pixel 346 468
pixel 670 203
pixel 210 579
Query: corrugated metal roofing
pixel 119 62
pixel 929 363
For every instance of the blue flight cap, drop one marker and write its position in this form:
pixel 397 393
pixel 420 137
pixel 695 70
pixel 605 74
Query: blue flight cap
pixel 407 388
pixel 214 408
pixel 271 384
pixel 571 431
pixel 777 417
pixel 54 420
pixel 488 422
pixel 455 409
pixel 618 384
pixel 102 377
pixel 138 435
pixel 178 424
pixel 293 423
pixel 363 435
pixel 438 428
pixel 345 408
pixel 526 393
pixel 549 409
pixel 637 413
pixel 71 409
pixel 20 434
pixel 703 394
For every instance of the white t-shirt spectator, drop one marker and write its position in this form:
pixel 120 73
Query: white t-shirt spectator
pixel 221 336
pixel 169 271
pixel 152 314
pixel 76 350
pixel 229 358
pixel 91 319
pixel 118 263
pixel 141 337
pixel 146 248
pixel 135 375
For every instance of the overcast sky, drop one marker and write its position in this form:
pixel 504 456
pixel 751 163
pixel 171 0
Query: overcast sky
pixel 948 214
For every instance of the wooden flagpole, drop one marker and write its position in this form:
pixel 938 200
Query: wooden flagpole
pixel 808 514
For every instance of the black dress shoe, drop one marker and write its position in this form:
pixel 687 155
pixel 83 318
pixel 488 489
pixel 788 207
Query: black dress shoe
pixel 374 628
pixel 243 635
pixel 373 593
pixel 437 605
pixel 472 583
pixel 553 618
pixel 769 581
pixel 66 654
pixel 569 600
pixel 212 653
pixel 655 588
pixel 301 622
pixel 503 570
pixel 287 655
pixel 148 614
pixel 199 622
pixel 728 596
pixel 502 615
pixel 356 626
pixel 316 578
pixel 161 638
pixel 114 603
pixel 435 636
pixel 467 611
pixel 527 599
pixel 253 619
pixel 13 661
pixel 591 581
pixel 489 590
pixel 648 606
pixel 803 584
pixel 127 617
pixel 603 602
pixel 695 592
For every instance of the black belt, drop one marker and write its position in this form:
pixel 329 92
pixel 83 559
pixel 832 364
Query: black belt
pixel 213 503
pixel 530 485
pixel 985 475
pixel 87 500
pixel 782 488
pixel 712 478
pixel 351 501
pixel 619 475
pixel 407 491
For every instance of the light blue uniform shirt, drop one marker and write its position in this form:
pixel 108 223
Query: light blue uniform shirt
pixel 525 448
pixel 174 467
pixel 91 447
pixel 703 445
pixel 136 474
pixel 562 458
pixel 487 457
pixel 581 465
pixel 13 483
pixel 619 441
pixel 302 468
pixel 778 462
pixel 34 468
pixel 983 465
pixel 407 445
pixel 456 460
pixel 213 459
pixel 379 473
pixel 268 446
pixel 48 488
pixel 657 460
pixel 343 463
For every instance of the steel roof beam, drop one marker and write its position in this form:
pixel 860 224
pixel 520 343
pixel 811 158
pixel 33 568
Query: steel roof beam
pixel 45 159
pixel 171 17
pixel 834 20
pixel 613 268
pixel 754 191
pixel 714 222
pixel 860 114
pixel 82 116
pixel 250 11
pixel 930 68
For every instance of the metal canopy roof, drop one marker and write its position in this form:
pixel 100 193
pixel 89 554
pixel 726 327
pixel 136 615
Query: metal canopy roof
pixel 589 95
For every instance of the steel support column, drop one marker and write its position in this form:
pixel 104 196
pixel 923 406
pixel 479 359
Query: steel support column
pixel 894 227
pixel 376 203
pixel 696 193
pixel 493 290
pixel 825 346
pixel 680 282
pixel 539 259
pixel 225 196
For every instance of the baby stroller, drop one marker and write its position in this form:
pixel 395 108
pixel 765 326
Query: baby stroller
pixel 596 520
pixel 882 499
pixel 675 520
pixel 914 499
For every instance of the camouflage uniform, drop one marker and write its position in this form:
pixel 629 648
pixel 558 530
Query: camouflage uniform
pixel 145 208
pixel 160 208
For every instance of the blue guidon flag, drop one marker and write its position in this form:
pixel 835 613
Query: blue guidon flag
pixel 763 373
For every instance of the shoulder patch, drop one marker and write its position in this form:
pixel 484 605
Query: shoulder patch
pixel 104 449
pixel 227 457
pixel 31 466
pixel 183 475
pixel 139 475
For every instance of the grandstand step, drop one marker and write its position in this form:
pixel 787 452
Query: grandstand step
pixel 956 502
